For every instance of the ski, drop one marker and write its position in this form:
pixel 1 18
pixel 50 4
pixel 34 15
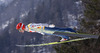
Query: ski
pixel 78 35
pixel 52 43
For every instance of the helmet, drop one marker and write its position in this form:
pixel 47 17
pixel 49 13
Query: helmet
pixel 20 26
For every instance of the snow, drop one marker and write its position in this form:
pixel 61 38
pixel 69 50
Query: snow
pixel 16 4
pixel 34 38
pixel 12 51
pixel 6 2
pixel 39 51
pixel 2 0
pixel 11 20
pixel 98 20
pixel 72 20
pixel 5 24
pixel 78 2
pixel 24 14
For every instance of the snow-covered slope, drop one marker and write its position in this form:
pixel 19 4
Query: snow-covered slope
pixel 59 12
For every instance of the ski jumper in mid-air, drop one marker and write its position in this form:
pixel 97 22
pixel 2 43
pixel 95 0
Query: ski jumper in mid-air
pixel 44 29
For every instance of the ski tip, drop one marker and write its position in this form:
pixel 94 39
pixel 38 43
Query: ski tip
pixel 20 45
